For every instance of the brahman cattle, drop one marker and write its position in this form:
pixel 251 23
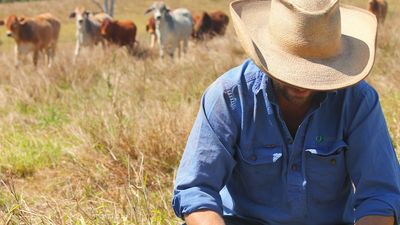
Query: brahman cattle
pixel 119 32
pixel 172 28
pixel 36 34
pixel 87 28
pixel 151 29
pixel 379 8
pixel 209 24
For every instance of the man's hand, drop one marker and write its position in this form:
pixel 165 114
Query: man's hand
pixel 376 220
pixel 205 217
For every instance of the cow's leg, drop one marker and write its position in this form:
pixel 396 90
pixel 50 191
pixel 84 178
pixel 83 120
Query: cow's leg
pixel 172 48
pixel 162 47
pixel 162 51
pixel 103 43
pixel 185 45
pixel 178 44
pixel 50 56
pixel 152 40
pixel 77 50
pixel 35 57
pixel 17 56
pixel 130 48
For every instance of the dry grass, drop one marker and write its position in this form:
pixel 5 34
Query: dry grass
pixel 98 142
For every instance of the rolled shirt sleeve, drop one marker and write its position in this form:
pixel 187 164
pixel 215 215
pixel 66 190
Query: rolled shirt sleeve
pixel 371 159
pixel 207 161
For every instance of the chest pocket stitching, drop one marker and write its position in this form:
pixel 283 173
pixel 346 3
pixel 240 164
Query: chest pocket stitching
pixel 326 151
pixel 262 155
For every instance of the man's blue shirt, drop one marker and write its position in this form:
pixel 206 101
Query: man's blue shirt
pixel 241 159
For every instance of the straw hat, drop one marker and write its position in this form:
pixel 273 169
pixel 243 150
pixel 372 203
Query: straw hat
pixel 311 44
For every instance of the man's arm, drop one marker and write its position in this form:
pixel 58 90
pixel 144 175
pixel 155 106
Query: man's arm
pixel 207 162
pixel 376 220
pixel 371 160
pixel 205 217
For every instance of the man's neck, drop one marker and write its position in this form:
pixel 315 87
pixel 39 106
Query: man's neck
pixel 293 114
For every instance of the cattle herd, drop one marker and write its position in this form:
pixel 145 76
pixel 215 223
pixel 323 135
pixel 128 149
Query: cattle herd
pixel 171 28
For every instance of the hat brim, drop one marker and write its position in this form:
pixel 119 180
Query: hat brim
pixel 359 28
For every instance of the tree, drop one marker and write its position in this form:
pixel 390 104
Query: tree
pixel 108 6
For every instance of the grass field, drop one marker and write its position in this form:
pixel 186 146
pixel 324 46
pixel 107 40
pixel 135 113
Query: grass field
pixel 98 141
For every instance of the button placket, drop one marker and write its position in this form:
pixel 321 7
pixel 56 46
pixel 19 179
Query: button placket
pixel 295 167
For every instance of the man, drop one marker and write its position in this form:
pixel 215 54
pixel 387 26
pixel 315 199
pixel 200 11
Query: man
pixel 292 136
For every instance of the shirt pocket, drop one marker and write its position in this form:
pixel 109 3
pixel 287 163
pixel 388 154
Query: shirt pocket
pixel 259 171
pixel 326 172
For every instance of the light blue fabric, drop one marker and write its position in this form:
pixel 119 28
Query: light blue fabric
pixel 240 158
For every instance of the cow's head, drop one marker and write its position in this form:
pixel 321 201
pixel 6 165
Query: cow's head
pixel 201 24
pixel 159 9
pixel 151 25
pixel 80 14
pixel 105 27
pixel 373 6
pixel 13 24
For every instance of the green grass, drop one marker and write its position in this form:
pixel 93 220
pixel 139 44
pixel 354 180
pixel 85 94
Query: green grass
pixel 24 152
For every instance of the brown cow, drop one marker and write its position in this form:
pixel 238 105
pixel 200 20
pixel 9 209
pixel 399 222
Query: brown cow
pixel 36 34
pixel 119 32
pixel 379 8
pixel 151 29
pixel 209 24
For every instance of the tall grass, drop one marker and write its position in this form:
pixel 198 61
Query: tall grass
pixel 98 141
pixel 110 131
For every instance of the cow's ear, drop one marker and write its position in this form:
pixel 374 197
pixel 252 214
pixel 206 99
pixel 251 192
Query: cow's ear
pixel 206 18
pixel 149 10
pixel 72 15
pixel 1 22
pixel 21 19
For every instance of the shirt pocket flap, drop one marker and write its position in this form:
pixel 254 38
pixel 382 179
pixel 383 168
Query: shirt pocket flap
pixel 328 149
pixel 262 155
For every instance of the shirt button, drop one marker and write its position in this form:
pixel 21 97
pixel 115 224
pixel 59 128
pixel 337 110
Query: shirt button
pixel 253 157
pixel 333 162
pixel 295 167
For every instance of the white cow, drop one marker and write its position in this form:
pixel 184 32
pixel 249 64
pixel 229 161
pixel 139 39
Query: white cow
pixel 172 28
pixel 87 28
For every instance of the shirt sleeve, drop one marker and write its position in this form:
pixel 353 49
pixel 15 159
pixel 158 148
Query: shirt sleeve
pixel 207 161
pixel 371 159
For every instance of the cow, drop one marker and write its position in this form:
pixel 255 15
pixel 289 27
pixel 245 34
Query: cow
pixel 151 29
pixel 119 32
pixel 87 28
pixel 38 34
pixel 209 24
pixel 172 27
pixel 379 8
